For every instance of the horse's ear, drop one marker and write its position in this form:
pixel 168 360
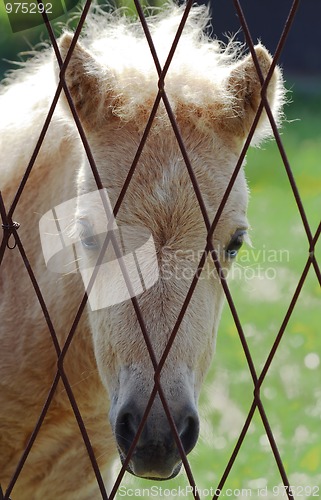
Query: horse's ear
pixel 83 77
pixel 245 87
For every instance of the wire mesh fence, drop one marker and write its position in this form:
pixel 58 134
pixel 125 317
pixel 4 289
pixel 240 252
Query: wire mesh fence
pixel 11 242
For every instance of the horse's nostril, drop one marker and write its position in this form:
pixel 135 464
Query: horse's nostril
pixel 125 430
pixel 189 432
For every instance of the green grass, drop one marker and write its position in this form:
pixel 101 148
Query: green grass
pixel 265 278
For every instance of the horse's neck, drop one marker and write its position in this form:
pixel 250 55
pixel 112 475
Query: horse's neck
pixel 52 181
pixel 24 331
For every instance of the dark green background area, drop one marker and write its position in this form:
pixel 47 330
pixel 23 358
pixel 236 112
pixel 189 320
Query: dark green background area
pixel 32 17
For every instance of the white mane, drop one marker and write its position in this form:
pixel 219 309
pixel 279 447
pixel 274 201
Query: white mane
pixel 195 74
pixel 122 60
pixel 120 48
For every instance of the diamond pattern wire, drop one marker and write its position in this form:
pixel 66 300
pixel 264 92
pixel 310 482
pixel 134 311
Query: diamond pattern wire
pixel 11 240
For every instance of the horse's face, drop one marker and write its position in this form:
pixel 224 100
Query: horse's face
pixel 160 202
pixel 160 210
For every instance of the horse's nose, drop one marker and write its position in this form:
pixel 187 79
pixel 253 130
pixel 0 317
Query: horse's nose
pixel 156 454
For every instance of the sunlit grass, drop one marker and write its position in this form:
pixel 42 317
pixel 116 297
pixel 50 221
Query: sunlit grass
pixel 291 391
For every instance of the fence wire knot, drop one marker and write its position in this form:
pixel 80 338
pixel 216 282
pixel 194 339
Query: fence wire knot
pixel 14 226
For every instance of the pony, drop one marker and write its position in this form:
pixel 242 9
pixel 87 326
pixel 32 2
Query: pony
pixel 213 91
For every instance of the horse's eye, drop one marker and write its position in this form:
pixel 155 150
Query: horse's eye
pixel 235 243
pixel 87 235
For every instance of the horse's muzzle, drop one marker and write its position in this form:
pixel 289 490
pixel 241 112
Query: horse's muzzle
pixel 156 454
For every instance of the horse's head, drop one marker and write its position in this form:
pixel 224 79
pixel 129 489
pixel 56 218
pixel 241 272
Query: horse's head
pixel 214 104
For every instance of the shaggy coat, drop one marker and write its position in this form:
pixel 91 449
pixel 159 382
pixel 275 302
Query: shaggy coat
pixel 214 92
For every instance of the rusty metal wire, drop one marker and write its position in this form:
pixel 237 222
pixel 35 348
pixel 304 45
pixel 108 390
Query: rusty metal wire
pixel 11 240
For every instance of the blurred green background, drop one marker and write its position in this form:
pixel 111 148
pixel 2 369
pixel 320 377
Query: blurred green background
pixel 263 282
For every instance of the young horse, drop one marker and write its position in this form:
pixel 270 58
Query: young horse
pixel 214 93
